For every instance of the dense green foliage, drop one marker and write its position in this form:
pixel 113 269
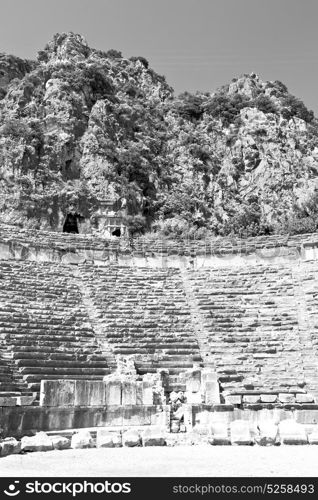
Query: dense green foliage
pixel 81 125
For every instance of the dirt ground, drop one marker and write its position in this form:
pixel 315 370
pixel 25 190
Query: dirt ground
pixel 202 460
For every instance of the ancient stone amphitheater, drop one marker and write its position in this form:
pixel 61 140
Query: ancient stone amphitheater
pixel 212 337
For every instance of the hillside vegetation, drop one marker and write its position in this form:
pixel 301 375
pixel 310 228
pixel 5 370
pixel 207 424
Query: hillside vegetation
pixel 80 125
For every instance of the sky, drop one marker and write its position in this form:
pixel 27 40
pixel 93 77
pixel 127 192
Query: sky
pixel 196 44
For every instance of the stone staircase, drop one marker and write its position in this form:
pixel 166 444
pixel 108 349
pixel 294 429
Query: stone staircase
pixel 197 322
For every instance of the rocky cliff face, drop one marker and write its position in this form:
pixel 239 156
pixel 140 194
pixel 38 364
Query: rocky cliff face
pixel 80 125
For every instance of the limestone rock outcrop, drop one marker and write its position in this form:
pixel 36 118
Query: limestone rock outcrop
pixel 81 125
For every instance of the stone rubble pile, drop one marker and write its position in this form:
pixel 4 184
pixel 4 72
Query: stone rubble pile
pixel 238 433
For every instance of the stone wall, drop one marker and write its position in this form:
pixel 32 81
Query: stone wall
pixel 27 420
pixel 151 251
pixel 44 329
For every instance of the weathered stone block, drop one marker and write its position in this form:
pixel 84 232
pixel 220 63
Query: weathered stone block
pixel 292 433
pixel 208 375
pixel 201 429
pixel 313 436
pixel 286 398
pixel 139 393
pixel 193 397
pixel 251 399
pixel 240 432
pixel 128 393
pixel 212 392
pixel 73 258
pixel 219 434
pixel 8 401
pixel 131 439
pixel 134 415
pixel 268 398
pixel 57 392
pixel 304 398
pixel 5 252
pixel 39 442
pixel 90 393
pixel 154 437
pixel 233 399
pixel 106 439
pixel 60 442
pixel 113 392
pixel 161 417
pixel 25 400
pixel 267 433
pixel 9 446
pixel 147 398
pixel 82 439
pixel 193 381
pixel 188 417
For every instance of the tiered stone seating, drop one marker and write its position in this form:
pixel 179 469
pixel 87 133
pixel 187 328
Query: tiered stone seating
pixel 143 312
pixel 306 276
pixel 251 319
pixel 44 325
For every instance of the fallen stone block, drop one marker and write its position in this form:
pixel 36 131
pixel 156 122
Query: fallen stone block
pixel 201 429
pixel 240 432
pixel 60 442
pixel 131 438
pixel 9 446
pixel 82 439
pixel 219 434
pixel 40 442
pixel 291 432
pixel 154 437
pixel 106 439
pixel 267 433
